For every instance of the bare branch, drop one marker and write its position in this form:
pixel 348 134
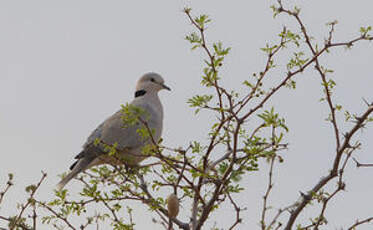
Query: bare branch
pixel 358 164
pixel 361 222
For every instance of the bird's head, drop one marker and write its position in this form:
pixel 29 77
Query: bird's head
pixel 150 82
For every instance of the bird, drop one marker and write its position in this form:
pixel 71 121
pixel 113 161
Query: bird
pixel 126 138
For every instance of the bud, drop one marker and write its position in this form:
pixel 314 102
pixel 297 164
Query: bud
pixel 173 205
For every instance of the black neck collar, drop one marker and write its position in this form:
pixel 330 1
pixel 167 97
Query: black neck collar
pixel 140 93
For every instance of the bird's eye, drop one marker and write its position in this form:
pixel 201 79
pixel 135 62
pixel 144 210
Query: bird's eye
pixel 152 80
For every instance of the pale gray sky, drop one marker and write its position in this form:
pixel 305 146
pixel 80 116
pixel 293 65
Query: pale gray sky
pixel 67 65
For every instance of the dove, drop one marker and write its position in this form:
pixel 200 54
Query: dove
pixel 126 138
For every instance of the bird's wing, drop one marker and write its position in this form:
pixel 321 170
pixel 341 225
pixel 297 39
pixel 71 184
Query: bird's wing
pixel 115 131
pixel 112 131
pixel 96 134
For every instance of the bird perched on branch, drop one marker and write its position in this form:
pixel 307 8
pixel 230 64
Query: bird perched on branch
pixel 125 137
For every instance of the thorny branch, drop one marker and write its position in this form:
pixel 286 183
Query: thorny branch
pixel 358 164
pixel 361 222
pixel 18 220
pixel 9 184
pixel 341 146
pixel 235 109
pixel 265 197
pixel 207 180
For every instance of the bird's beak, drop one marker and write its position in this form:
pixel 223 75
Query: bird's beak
pixel 166 87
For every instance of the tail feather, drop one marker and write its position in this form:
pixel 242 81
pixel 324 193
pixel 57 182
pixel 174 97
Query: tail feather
pixel 79 166
pixel 66 179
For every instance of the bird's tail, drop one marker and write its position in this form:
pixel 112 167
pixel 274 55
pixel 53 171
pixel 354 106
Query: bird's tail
pixel 79 166
pixel 66 179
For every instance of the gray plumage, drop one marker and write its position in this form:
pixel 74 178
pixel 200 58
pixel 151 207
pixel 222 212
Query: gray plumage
pixel 112 130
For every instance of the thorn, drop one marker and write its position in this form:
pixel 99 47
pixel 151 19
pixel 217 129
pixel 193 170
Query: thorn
pixel 357 163
pixel 359 119
pixel 342 186
pixel 366 102
pixel 305 196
